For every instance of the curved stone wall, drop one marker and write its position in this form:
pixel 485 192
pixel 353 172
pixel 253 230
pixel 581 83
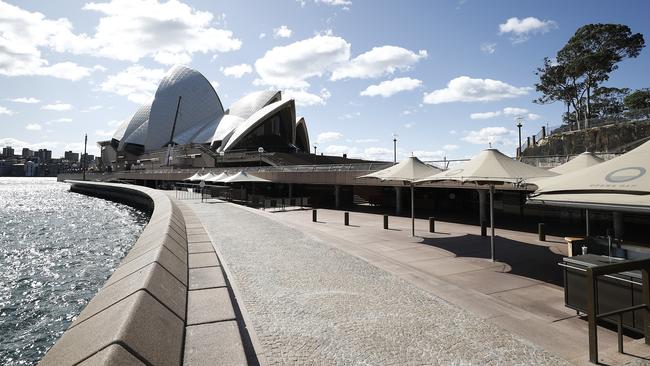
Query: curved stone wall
pixel 138 316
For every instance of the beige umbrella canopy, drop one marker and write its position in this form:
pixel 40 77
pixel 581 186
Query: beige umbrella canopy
pixel 408 171
pixel 218 178
pixel 491 167
pixel 619 184
pixel 195 177
pixel 584 160
pixel 243 177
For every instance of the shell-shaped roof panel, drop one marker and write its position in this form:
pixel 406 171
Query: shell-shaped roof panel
pixel 118 135
pixel 199 104
pixel 140 117
pixel 226 126
pixel 253 102
pixel 258 117
pixel 137 137
pixel 302 135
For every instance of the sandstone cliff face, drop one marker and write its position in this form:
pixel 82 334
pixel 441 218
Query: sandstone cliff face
pixel 607 139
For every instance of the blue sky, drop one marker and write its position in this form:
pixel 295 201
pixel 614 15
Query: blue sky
pixel 447 76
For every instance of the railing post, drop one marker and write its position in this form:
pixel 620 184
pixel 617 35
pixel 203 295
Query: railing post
pixel 314 215
pixel 346 218
pixel 646 300
pixel 541 230
pixel 592 308
pixel 432 224
pixel 386 222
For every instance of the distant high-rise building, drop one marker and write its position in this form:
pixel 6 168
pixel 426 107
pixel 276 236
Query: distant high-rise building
pixel 27 153
pixel 44 155
pixel 71 157
pixel 8 152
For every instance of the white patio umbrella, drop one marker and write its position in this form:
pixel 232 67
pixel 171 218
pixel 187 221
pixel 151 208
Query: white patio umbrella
pixel 195 177
pixel 407 171
pixel 620 184
pixel 243 177
pixel 205 177
pixel 584 160
pixel 491 167
pixel 218 178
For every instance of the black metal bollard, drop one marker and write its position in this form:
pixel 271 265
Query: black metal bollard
pixel 541 229
pixel 432 224
pixel 346 218
pixel 314 215
pixel 386 222
pixel 483 228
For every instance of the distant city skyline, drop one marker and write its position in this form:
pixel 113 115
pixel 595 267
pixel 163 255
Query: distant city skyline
pixel 448 77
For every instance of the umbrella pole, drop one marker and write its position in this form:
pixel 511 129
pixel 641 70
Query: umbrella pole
pixel 492 221
pixel 412 211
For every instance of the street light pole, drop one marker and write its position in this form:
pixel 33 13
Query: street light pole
pixel 315 147
pixel 395 136
pixel 84 163
pixel 519 125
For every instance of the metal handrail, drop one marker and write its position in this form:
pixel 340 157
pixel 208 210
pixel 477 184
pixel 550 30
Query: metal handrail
pixel 592 301
pixel 608 276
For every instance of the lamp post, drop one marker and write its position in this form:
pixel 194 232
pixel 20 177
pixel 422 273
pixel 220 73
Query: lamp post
pixel 395 136
pixel 519 125
pixel 261 151
pixel 84 162
pixel 315 147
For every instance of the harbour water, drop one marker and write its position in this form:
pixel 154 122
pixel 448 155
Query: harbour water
pixel 57 248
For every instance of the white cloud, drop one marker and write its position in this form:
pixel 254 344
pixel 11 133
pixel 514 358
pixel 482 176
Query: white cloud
pixel 114 123
pixel 60 120
pixel 237 71
pixel 304 98
pixel 339 150
pixel 291 65
pixel 466 89
pixel 335 2
pixel 409 125
pixel 137 83
pixel 262 35
pixel 365 141
pixel 328 136
pixel 390 87
pixel 521 29
pixel 377 62
pixel 282 32
pixel 169 32
pixel 33 127
pixel 59 107
pixel 24 34
pixel 104 133
pixel 429 155
pixel 19 144
pixel 350 115
pixel 488 48
pixel 4 110
pixel 484 115
pixel 450 147
pixel 24 100
pixel 215 84
pixel 92 108
pixel 507 111
pixel 493 135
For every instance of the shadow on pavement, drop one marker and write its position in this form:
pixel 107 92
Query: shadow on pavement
pixel 527 260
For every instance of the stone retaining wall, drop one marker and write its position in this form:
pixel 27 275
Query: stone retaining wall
pixel 138 317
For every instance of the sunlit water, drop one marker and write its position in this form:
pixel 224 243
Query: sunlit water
pixel 57 248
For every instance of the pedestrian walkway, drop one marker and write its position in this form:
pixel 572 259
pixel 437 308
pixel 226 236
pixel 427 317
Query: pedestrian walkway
pixel 310 302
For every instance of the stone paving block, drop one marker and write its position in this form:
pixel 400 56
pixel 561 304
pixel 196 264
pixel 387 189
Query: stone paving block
pixel 200 248
pixel 197 260
pixel 160 283
pixel 139 322
pixel 112 355
pixel 196 231
pixel 161 255
pixel 206 277
pixel 210 305
pixel 214 344
pixel 159 240
pixel 197 238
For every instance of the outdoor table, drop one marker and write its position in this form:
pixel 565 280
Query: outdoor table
pixel 569 243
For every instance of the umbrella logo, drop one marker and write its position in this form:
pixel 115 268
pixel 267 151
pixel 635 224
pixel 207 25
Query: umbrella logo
pixel 625 174
pixel 453 172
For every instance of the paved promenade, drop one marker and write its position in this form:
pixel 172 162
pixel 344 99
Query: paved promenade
pixel 311 303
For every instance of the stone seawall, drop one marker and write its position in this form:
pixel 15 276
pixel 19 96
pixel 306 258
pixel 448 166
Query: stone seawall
pixel 138 317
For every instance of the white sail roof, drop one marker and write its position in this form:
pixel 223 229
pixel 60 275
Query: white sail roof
pixel 584 160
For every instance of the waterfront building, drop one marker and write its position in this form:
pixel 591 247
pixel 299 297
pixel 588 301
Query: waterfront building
pixel 8 152
pixel 71 157
pixel 27 153
pixel 44 155
pixel 187 112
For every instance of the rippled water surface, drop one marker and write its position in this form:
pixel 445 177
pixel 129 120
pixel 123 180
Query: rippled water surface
pixel 56 250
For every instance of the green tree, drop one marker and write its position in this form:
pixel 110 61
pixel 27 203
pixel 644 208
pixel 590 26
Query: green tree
pixel 639 99
pixel 557 85
pixel 594 51
pixel 608 102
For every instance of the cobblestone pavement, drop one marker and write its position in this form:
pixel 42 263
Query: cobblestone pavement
pixel 313 304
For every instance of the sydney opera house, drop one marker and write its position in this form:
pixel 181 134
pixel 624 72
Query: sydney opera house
pixel 186 120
